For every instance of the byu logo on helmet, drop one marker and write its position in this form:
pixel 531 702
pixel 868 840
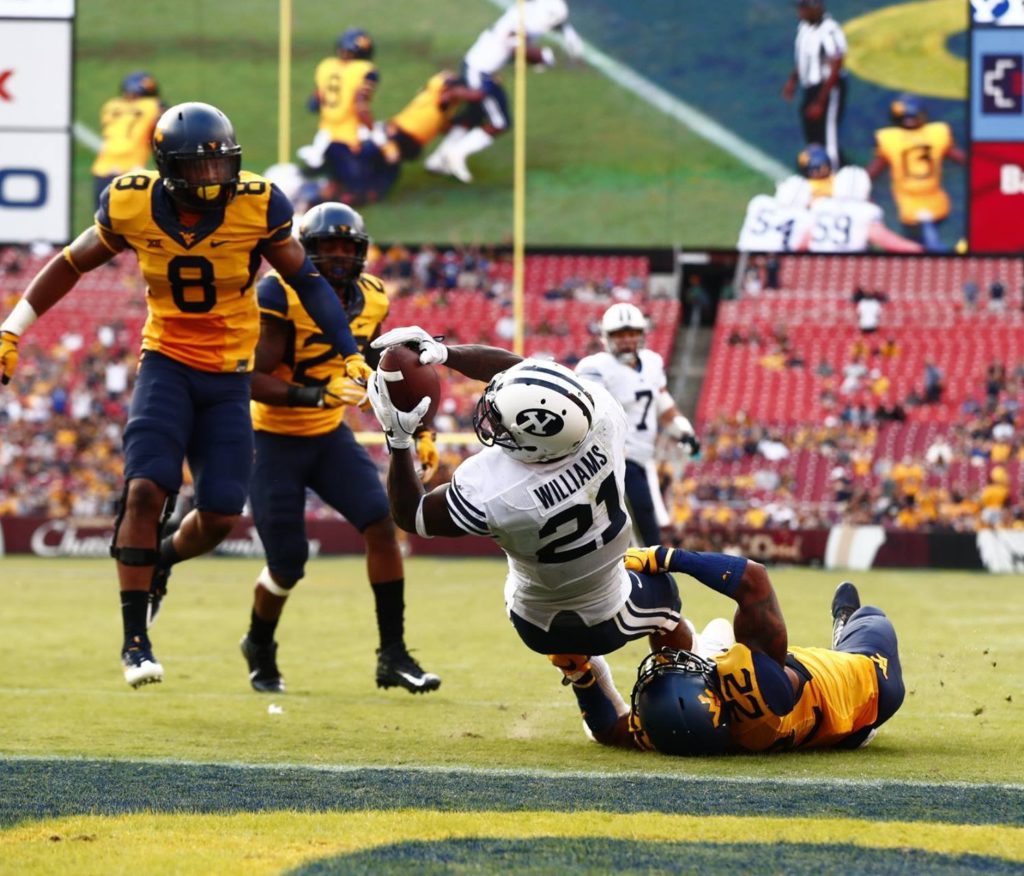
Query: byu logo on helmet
pixel 540 422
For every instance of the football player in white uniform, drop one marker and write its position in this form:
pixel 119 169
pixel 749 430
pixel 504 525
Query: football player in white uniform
pixel 549 488
pixel 475 129
pixel 849 222
pixel 635 377
pixel 777 224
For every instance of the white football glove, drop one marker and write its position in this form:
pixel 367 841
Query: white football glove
pixel 398 426
pixel 432 351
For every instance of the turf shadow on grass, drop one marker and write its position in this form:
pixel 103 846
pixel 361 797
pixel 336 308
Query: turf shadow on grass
pixel 34 789
pixel 624 857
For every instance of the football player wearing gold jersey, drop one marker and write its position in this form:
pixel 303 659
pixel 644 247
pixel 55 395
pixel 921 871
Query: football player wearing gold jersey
pixel 344 89
pixel 427 115
pixel 126 126
pixel 300 392
pixel 420 121
pixel 816 166
pixel 760 694
pixel 913 151
pixel 199 227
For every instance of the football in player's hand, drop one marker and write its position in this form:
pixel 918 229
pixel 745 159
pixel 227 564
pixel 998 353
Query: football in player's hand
pixel 408 380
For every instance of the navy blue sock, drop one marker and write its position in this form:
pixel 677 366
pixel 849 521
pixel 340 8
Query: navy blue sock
pixel 168 553
pixel 389 599
pixel 134 612
pixel 261 631
pixel 597 710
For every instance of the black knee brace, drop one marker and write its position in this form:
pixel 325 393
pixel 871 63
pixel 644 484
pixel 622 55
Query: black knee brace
pixel 136 556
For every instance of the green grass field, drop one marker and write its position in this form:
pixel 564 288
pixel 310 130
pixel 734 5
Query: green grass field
pixel 624 173
pixel 196 775
pixel 500 705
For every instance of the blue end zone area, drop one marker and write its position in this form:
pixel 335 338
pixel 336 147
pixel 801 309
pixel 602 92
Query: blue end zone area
pixel 597 855
pixel 38 789
pixel 730 60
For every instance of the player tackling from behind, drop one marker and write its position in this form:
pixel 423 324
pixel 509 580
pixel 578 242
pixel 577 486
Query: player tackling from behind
pixel 549 488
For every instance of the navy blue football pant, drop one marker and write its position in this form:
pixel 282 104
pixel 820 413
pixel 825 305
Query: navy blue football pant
pixel 178 413
pixel 641 504
pixel 871 633
pixel 653 606
pixel 335 466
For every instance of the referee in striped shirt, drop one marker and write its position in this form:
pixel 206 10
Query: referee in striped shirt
pixel 819 52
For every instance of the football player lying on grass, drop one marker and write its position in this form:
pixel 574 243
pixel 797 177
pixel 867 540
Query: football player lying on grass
pixel 760 694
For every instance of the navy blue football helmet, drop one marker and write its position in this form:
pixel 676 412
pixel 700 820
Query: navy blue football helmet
pixel 333 220
pixel 907 111
pixel 814 162
pixel 139 84
pixel 356 42
pixel 678 706
pixel 198 157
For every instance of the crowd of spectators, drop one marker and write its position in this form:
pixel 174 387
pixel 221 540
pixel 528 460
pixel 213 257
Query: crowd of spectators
pixel 60 431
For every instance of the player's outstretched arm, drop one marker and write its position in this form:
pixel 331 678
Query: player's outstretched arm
pixel 888 240
pixel 477 361
pixel 57 278
pixel 758 622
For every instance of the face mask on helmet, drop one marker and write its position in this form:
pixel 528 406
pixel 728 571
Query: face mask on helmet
pixel 321 232
pixel 677 705
pixel 536 411
pixel 624 330
pixel 198 157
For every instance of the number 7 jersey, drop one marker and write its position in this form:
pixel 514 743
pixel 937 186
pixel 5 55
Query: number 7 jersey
pixel 563 524
pixel 199 278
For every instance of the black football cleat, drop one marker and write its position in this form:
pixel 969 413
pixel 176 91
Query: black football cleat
pixel 397 668
pixel 845 602
pixel 140 666
pixel 263 672
pixel 157 592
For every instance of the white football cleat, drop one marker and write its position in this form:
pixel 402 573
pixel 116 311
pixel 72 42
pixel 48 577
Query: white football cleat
pixel 437 163
pixel 457 168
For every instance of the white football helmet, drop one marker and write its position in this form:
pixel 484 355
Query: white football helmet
pixel 851 183
pixel 620 317
pixel 536 411
pixel 793 191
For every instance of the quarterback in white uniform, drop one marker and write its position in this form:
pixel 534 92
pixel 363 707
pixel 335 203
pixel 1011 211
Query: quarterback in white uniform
pixel 548 487
pixel 635 377
pixel 779 223
pixel 849 222
pixel 475 129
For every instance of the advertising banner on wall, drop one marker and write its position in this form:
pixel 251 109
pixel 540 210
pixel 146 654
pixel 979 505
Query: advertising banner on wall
pixel 36 78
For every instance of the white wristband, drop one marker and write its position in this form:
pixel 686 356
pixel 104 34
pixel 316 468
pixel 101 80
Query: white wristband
pixel 23 315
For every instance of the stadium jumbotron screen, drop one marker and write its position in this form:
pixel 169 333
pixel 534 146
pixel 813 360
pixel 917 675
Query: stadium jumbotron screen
pixel 669 121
